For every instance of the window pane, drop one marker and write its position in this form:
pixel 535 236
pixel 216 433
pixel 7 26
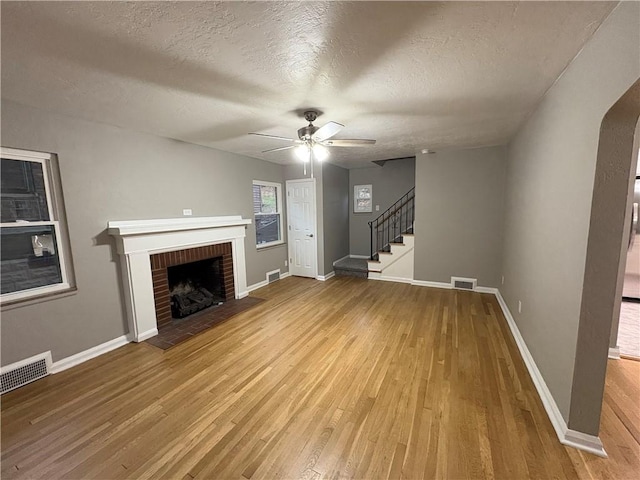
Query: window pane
pixel 28 258
pixel 264 199
pixel 267 228
pixel 23 192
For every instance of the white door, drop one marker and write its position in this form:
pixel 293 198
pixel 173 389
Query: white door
pixel 301 218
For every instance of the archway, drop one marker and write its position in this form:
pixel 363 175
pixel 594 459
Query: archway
pixel 615 167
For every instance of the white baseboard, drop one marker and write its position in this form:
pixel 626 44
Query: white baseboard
pixel 614 353
pixel 365 257
pixel 583 441
pixel 571 438
pixel 144 335
pixel 424 283
pixel 391 279
pixel 46 356
pixel 93 352
pixel 329 275
pixel 255 286
pixel 491 290
pixel 263 283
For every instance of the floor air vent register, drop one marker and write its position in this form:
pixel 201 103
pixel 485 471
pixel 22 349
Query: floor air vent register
pixel 27 371
pixel 462 283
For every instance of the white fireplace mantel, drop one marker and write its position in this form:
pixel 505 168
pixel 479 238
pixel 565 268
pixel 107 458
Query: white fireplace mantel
pixel 137 240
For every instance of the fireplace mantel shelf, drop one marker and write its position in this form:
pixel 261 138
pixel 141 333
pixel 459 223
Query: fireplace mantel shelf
pixel 144 227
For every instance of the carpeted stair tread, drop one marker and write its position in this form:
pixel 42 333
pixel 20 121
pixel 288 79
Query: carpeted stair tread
pixel 352 267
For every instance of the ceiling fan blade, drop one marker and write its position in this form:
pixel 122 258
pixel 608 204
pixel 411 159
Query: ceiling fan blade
pixel 273 136
pixel 327 131
pixel 278 149
pixel 353 142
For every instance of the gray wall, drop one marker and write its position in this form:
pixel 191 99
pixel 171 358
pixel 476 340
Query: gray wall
pixel 390 182
pixel 459 215
pixel 550 178
pixel 335 200
pixel 114 174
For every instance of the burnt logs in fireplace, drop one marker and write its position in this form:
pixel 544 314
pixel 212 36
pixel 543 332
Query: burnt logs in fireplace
pixel 183 304
pixel 195 286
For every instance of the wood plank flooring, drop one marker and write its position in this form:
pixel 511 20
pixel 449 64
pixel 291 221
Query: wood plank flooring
pixel 344 378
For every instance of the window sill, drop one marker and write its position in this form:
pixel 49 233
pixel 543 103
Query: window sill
pixel 38 298
pixel 264 246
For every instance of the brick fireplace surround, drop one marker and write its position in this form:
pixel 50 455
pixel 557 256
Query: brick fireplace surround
pixel 160 263
pixel 147 247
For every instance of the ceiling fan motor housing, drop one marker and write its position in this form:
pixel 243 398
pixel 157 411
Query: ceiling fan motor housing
pixel 305 133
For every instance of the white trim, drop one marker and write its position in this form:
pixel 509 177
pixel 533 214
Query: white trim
pixel 584 441
pixel 425 283
pixel 364 257
pixel 255 286
pixel 571 438
pixel 46 356
pixel 93 352
pixel 53 209
pixel 28 155
pixel 391 279
pixel 491 290
pixel 314 235
pixel 343 258
pixel 260 246
pixel 33 292
pixel 265 282
pixel 326 277
pixel 144 335
pixel 126 228
pixel 278 212
pixel 614 353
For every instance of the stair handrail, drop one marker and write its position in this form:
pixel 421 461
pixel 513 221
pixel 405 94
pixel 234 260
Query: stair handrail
pixel 402 209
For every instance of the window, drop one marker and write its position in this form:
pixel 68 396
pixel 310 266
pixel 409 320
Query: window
pixel 31 259
pixel 267 210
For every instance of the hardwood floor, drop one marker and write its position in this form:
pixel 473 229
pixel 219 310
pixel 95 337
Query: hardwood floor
pixel 344 378
pixel 619 426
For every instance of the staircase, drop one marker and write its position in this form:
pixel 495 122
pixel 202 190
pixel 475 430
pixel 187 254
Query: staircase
pixel 392 241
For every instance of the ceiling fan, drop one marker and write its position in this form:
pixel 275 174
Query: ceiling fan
pixel 314 140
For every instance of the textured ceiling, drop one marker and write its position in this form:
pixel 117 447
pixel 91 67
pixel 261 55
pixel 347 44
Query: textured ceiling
pixel 411 75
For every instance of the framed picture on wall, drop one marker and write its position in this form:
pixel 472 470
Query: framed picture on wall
pixel 362 198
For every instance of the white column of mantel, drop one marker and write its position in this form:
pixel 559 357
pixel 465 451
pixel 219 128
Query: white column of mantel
pixel 138 290
pixel 239 267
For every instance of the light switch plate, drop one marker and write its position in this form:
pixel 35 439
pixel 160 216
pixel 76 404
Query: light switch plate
pixel 187 212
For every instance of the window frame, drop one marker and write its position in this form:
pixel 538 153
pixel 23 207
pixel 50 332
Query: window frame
pixel 278 187
pixel 45 160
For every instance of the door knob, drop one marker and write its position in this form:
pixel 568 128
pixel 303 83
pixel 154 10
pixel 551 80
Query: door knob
pixel 309 234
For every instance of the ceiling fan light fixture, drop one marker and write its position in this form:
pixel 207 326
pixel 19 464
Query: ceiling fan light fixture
pixel 320 152
pixel 303 153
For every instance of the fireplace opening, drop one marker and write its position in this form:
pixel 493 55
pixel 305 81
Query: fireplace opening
pixel 195 286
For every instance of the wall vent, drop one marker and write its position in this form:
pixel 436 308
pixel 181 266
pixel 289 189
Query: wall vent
pixel 464 283
pixel 273 276
pixel 20 373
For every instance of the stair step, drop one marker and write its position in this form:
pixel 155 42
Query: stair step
pixel 343 272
